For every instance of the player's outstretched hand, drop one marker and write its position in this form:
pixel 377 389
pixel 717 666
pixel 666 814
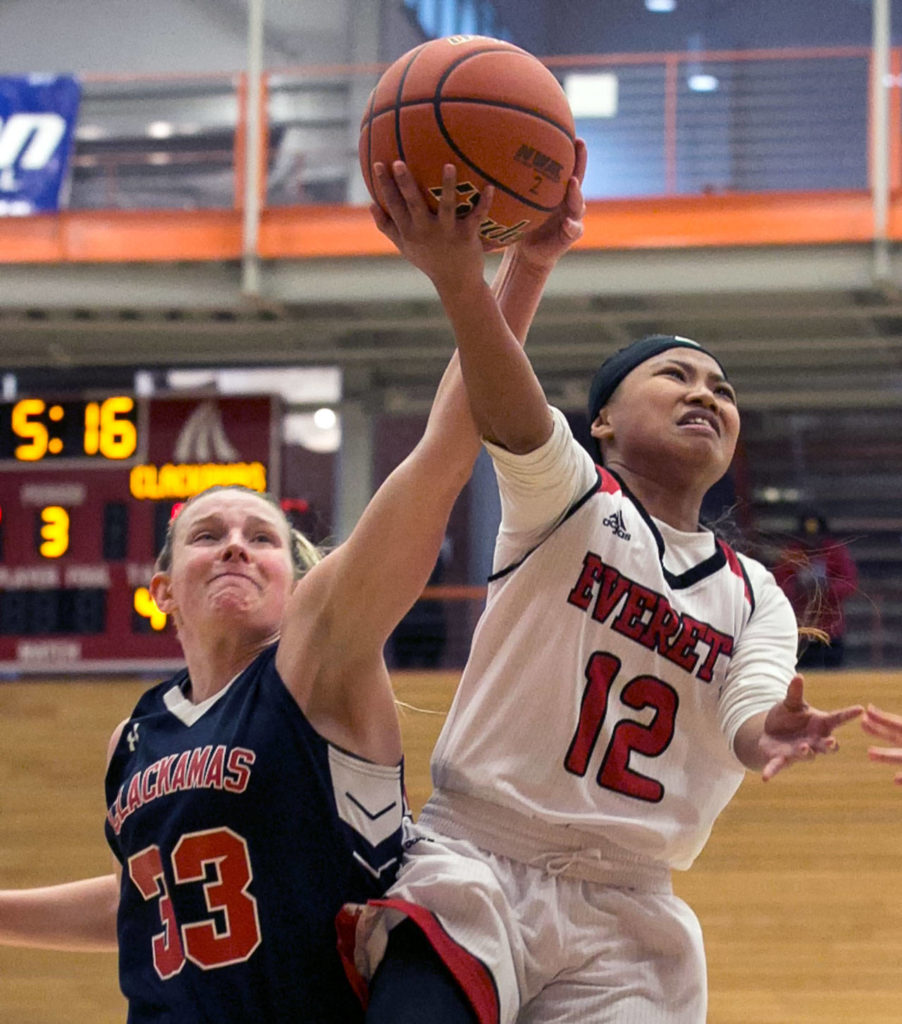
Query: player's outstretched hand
pixel 887 727
pixel 444 245
pixel 544 246
pixel 795 731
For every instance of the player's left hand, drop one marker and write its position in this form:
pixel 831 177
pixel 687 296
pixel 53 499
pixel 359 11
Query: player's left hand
pixel 795 731
pixel 544 246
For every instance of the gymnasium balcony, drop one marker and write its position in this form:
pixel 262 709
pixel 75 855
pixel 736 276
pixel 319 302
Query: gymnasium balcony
pixel 751 199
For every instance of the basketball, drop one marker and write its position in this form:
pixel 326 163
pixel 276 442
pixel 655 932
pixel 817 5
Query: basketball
pixel 488 107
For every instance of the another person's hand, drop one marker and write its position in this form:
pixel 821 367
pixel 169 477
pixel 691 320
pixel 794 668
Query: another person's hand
pixel 887 727
pixel 445 246
pixel 795 731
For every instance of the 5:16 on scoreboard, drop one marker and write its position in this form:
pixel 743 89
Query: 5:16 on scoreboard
pixel 87 488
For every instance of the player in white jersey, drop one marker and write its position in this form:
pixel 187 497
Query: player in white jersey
pixel 629 667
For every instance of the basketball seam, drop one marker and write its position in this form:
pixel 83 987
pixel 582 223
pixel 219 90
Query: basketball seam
pixel 464 57
pixel 440 124
pixel 494 181
pixel 439 85
pixel 452 145
pixel 368 171
pixel 398 103
pixel 406 104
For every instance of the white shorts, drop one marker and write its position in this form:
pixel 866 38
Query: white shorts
pixel 535 947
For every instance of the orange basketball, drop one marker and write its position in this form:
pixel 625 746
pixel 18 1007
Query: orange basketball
pixel 488 107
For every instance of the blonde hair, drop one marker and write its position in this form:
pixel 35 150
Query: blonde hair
pixel 304 554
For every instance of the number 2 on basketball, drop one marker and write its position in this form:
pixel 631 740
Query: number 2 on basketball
pixel 627 736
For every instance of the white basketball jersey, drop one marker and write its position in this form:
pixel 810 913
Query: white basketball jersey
pixel 613 664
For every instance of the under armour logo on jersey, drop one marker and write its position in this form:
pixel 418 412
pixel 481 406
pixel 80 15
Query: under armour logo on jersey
pixel 132 737
pixel 617 525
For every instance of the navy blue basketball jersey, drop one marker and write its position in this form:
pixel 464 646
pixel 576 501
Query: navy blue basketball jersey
pixel 241 832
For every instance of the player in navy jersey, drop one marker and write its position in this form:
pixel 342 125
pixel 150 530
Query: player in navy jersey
pixel 628 669
pixel 257 790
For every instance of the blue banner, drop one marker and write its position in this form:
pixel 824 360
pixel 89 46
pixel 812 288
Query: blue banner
pixel 37 130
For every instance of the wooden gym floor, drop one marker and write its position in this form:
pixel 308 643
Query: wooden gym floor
pixel 799 890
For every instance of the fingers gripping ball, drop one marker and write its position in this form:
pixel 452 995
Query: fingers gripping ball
pixel 488 107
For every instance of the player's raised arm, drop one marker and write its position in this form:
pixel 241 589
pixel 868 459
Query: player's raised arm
pixel 394 546
pixel 506 398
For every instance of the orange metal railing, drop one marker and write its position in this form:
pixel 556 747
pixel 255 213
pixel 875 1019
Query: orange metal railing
pixel 732 170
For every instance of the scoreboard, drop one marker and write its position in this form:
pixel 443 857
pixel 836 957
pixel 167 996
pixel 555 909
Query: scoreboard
pixel 87 488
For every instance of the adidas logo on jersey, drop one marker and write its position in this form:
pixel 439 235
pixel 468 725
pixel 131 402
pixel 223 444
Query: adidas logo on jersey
pixel 617 525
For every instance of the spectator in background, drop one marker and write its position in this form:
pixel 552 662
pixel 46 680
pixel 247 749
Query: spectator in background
pixel 817 574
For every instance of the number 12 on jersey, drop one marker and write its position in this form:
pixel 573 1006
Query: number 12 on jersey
pixel 627 736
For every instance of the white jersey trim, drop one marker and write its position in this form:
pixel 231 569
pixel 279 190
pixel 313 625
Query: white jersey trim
pixel 185 710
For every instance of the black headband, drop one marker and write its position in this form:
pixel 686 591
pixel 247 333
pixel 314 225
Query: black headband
pixel 616 367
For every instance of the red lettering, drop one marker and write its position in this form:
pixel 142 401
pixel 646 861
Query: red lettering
pixel 213 777
pixel 610 589
pixel 181 768
pixel 682 651
pixel 134 793
pixel 663 625
pixel 197 764
pixel 147 786
pixel 114 817
pixel 239 769
pixel 664 630
pixel 629 622
pixel 720 643
pixel 201 768
pixel 581 594
pixel 120 802
pixel 164 775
